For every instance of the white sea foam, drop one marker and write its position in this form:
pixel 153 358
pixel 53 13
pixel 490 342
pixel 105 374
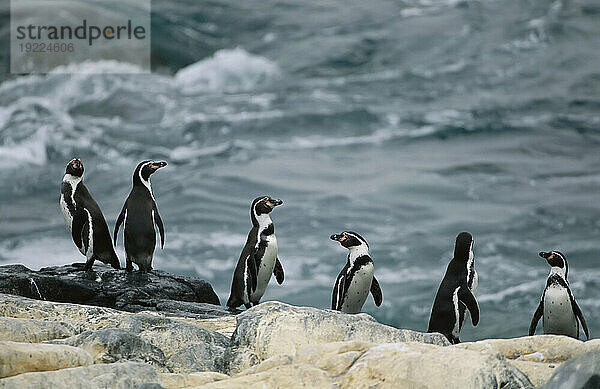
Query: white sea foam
pixel 226 71
pixel 520 289
pixel 98 67
pixel 29 150
pixel 36 253
pixel 376 137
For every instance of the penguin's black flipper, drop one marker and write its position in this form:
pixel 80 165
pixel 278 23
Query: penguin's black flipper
pixel 466 297
pixel 252 268
pixel 278 271
pixel 119 221
pixel 579 314
pixel 376 292
pixel 79 221
pixel 159 223
pixel 536 317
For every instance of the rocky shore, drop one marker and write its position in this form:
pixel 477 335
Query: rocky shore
pixel 143 334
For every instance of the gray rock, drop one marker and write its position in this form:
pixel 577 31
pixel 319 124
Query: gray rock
pixel 192 310
pixel 141 321
pixel 128 375
pixel 580 372
pixel 107 287
pixel 113 345
pixel 275 328
pixel 187 347
pixel 197 357
pixel 174 336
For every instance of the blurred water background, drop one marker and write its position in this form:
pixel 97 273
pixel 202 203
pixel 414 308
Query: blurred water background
pixel 407 121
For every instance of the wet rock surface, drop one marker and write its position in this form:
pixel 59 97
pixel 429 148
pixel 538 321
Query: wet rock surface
pixel 107 287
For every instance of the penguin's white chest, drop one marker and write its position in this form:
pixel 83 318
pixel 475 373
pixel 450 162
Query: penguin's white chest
pixel 559 318
pixel 265 269
pixel 358 290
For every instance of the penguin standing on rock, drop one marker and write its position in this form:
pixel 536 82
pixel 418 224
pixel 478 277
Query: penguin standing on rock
pixel 140 213
pixel 258 259
pixel 85 219
pixel 557 305
pixel 356 278
pixel 456 292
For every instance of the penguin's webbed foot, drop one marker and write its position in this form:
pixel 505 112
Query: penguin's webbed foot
pixel 88 265
pixel 248 306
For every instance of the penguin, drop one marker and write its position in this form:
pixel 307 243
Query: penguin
pixel 557 305
pixel 258 259
pixel 139 214
pixel 455 295
pixel 356 278
pixel 84 218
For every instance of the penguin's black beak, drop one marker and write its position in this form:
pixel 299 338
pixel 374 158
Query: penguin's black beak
pixel 274 203
pixel 545 255
pixel 157 165
pixel 338 237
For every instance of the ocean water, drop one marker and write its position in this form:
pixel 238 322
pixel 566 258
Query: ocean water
pixel 406 121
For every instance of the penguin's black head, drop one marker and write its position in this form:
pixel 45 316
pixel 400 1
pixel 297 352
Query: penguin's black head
pixel 462 247
pixel 145 169
pixel 75 167
pixel 349 239
pixel 555 259
pixel 263 205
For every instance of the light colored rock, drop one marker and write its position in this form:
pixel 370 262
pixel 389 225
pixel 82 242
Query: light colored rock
pixel 583 371
pixel 287 376
pixel 539 348
pixel 273 328
pixel 181 381
pixel 334 358
pixel 112 345
pixel 538 372
pixel 33 330
pixel 536 356
pixel 224 325
pixel 17 358
pixel 80 318
pixel 115 375
pixel 356 364
pixel 424 365
pixel 267 364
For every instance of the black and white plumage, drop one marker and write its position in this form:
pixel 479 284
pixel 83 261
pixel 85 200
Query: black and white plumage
pixel 472 283
pixel 140 214
pixel 258 259
pixel 557 306
pixel 356 279
pixel 85 219
pixel 455 295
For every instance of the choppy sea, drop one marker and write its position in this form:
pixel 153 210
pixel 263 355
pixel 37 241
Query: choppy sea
pixel 407 121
